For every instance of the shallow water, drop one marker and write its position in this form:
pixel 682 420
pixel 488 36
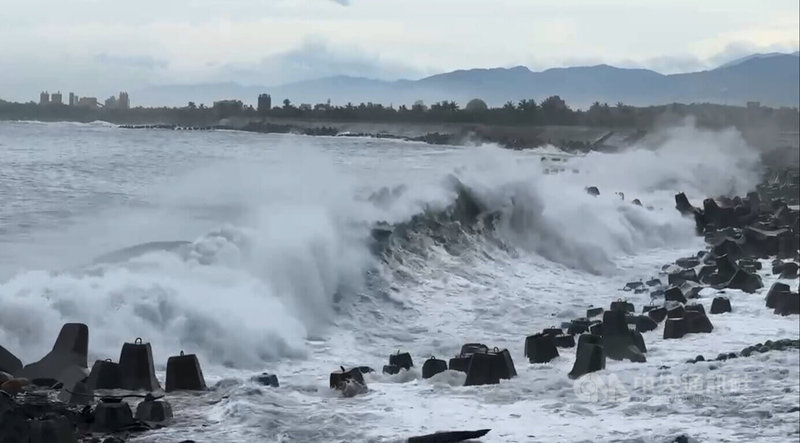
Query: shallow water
pixel 282 274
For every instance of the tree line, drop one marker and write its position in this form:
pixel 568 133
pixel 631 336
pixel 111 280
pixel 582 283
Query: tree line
pixel 527 112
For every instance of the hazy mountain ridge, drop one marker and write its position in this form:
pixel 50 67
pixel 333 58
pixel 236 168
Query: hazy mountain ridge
pixel 771 79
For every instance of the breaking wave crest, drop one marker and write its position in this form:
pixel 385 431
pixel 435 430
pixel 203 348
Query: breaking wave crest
pixel 256 288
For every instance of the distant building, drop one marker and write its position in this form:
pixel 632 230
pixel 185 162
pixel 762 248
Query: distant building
pixel 55 98
pixel 305 107
pixel 73 99
pixel 44 98
pixel 88 102
pixel 264 103
pixel 111 103
pixel 753 105
pixel 226 108
pixel 123 102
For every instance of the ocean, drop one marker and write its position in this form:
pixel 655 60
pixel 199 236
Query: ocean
pixel 296 255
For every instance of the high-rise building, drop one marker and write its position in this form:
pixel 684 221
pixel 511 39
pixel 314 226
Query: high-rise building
pixel 264 103
pixel 123 102
pixel 111 103
pixel 44 98
pixel 55 98
pixel 73 99
pixel 88 102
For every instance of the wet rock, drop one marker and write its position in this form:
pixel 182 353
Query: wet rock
pixel 66 362
pixel 676 311
pixel 461 361
pixel 618 340
pixel 449 437
pixel 633 285
pixel 13 422
pixel 653 282
pixel 540 348
pixel 184 373
pixel 787 304
pixel 14 386
pixel 53 429
pixel 402 360
pixel 645 324
pixel 393 369
pixel 579 326
pixel 695 307
pixel 351 388
pixel 593 312
pixel 720 305
pixel 112 416
pixel 658 314
pixel 266 379
pixel 338 378
pixel 589 357
pixel 105 374
pixel 565 341
pixel 553 331
pixel 775 292
pixel 433 366
pixel 675 328
pixel 622 305
pixel 698 322
pixel 136 367
pixel 9 362
pixel 154 411
pixel 789 270
pixel 674 293
pixel 78 394
pixel 490 367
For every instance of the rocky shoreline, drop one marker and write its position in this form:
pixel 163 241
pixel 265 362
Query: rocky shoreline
pixel 58 399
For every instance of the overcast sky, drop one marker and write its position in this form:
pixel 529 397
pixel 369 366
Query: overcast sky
pixel 96 47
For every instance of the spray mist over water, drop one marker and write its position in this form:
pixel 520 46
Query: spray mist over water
pixel 286 235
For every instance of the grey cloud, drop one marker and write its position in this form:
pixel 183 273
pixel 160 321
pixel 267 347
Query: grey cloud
pixel 145 62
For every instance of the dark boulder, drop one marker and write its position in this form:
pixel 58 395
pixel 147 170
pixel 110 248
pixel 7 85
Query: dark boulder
pixel 401 359
pixel 775 292
pixel 579 326
pixel 657 314
pixel 266 379
pixel 677 278
pixel 449 437
pixel 433 366
pixel 622 305
pixel 676 311
pixel 392 369
pixel 565 341
pixel 338 378
pixel 14 425
pixel 675 328
pixel 589 357
pixel 154 411
pixel 618 339
pixel 553 331
pixel 112 416
pixel 788 304
pixel 136 367
pixel 489 367
pixel 461 361
pixel 66 362
pixel 695 307
pixel 52 429
pixel 674 293
pixel 697 322
pixel 593 312
pixel 105 375
pixel 540 348
pixel 184 373
pixel 593 191
pixel 720 305
pixel 788 270
pixel 645 324
pixel 9 362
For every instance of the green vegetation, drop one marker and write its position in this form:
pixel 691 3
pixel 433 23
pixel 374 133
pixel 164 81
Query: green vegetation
pixel 525 113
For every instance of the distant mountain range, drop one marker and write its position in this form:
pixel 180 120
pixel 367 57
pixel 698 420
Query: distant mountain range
pixel 771 79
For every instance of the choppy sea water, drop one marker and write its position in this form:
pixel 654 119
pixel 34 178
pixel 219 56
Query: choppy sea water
pixel 282 272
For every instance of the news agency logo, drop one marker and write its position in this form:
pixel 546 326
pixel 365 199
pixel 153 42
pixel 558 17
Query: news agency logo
pixel 607 387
